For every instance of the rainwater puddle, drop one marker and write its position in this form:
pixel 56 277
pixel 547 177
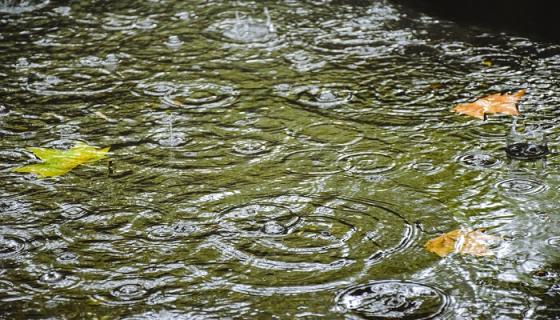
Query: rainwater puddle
pixel 272 160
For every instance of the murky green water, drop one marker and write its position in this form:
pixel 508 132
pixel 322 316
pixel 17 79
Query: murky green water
pixel 270 164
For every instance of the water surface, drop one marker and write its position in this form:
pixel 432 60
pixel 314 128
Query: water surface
pixel 275 161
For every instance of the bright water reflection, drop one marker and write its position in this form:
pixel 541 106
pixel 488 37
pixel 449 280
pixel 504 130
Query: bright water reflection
pixel 280 161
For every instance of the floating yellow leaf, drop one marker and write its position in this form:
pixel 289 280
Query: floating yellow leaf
pixel 487 62
pixel 495 103
pixel 474 242
pixel 58 162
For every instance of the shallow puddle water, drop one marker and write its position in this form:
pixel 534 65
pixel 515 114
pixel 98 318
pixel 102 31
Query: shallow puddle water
pixel 278 160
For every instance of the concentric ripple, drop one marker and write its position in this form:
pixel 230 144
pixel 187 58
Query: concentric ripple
pixel 201 97
pixel 366 163
pixel 172 232
pixel 393 300
pixel 479 160
pixel 11 246
pixel 314 237
pixel 157 89
pixel 68 82
pixel 327 96
pixel 312 162
pixel 124 292
pixel 521 186
pixel 17 7
pixel 73 211
pixel 51 277
pixel 330 133
pixel 554 241
pixel 250 147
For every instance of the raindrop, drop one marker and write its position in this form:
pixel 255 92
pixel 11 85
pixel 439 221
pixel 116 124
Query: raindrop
pixel 73 211
pixel 4 110
pixel 173 42
pixel 66 257
pixel 183 228
pixel 246 30
pixel 323 97
pixel 273 228
pixel 51 277
pixel 182 15
pixel 22 63
pixel 479 160
pixel 128 292
pixel 111 62
pixel 250 147
pixel 173 139
pixel 63 11
pixel 145 24
pixel 160 232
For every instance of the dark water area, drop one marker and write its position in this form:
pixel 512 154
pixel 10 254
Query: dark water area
pixel 271 160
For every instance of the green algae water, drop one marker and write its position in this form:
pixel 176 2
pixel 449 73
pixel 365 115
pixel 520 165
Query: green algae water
pixel 270 160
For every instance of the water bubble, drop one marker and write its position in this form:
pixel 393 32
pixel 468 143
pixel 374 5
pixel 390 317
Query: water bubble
pixel 393 300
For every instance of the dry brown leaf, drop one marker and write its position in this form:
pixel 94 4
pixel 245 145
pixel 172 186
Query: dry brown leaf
pixel 495 103
pixel 473 242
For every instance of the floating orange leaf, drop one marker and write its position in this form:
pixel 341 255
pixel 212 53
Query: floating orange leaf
pixel 474 242
pixel 495 103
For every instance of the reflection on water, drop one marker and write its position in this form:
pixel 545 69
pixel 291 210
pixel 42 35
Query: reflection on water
pixel 280 161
